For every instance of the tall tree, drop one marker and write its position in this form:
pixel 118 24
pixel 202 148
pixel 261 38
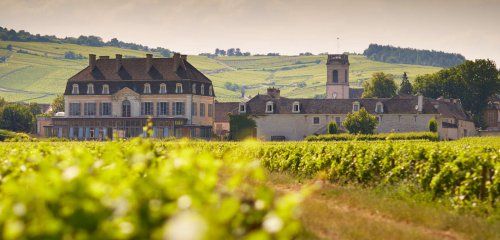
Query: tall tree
pixel 58 104
pixel 17 118
pixel 405 87
pixel 381 85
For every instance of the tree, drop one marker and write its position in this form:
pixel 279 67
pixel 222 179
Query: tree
pixel 58 104
pixel 360 122
pixel 2 103
pixel 473 82
pixel 405 88
pixel 9 47
pixel 17 118
pixel 381 85
pixel 433 125
pixel 332 128
pixel 34 108
pixel 241 127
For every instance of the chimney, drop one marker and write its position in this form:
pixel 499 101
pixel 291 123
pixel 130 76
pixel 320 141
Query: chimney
pixel 149 61
pixel 184 57
pixel 177 61
pixel 118 62
pixel 420 104
pixel 92 61
pixel 273 92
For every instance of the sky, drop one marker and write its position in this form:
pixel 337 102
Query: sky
pixel 469 27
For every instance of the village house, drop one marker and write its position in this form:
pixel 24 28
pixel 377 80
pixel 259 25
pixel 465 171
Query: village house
pixel 116 97
pixel 281 118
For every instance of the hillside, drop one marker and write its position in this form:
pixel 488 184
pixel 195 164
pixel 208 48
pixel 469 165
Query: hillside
pixel 37 72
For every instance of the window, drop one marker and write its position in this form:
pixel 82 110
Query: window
pixel 210 91
pixel 105 89
pixel 202 91
pixel 296 107
pixel 193 132
pixel 337 121
pixel 379 108
pixel 243 108
pixel 315 120
pixel 193 88
pixel 210 110
pixel 202 109
pixel 105 109
pixel 91 133
pixel 90 88
pixel 126 108
pixel 179 108
pixel 74 109
pixel 147 88
pixel 269 107
pixel 163 108
pixel 346 76
pixel 335 76
pixel 193 109
pixel 146 108
pixel 89 109
pixel 355 106
pixel 75 89
pixel 178 88
pixel 163 88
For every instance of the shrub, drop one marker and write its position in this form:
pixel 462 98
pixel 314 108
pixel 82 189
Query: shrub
pixel 430 136
pixel 241 127
pixel 360 122
pixel 433 125
pixel 17 118
pixel 332 128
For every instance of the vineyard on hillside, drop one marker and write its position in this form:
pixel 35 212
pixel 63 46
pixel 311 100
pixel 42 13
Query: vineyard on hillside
pixel 142 188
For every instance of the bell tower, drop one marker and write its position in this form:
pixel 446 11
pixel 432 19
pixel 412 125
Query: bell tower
pixel 337 80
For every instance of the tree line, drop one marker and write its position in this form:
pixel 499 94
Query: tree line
pixel 94 41
pixel 392 54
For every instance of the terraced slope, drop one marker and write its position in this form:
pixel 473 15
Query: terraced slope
pixel 37 72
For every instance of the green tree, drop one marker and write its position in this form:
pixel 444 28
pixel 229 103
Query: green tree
pixel 433 125
pixel 9 47
pixel 473 82
pixel 17 118
pixel 333 128
pixel 241 127
pixel 405 88
pixel 35 109
pixel 58 104
pixel 381 85
pixel 360 122
pixel 2 103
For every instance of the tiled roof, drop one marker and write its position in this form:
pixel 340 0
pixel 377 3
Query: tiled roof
pixel 222 109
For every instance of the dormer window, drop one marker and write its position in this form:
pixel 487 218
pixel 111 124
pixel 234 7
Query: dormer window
pixel 269 107
pixel 355 106
pixel 90 88
pixel 75 89
pixel 210 91
pixel 105 89
pixel 178 88
pixel 147 88
pixel 296 107
pixel 193 88
pixel 242 108
pixel 163 88
pixel 202 89
pixel 379 108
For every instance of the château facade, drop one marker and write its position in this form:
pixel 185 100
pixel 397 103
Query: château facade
pixel 116 97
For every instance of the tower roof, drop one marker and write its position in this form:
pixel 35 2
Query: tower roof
pixel 338 58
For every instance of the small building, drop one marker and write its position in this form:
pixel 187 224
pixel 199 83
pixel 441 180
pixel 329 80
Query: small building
pixel 116 97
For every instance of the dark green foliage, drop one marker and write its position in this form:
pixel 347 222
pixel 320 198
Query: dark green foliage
pixel 374 137
pixel 17 118
pixel 473 82
pixel 405 88
pixel 72 55
pixel 241 127
pixel 381 85
pixel 392 54
pixel 232 86
pixel 433 125
pixel 332 128
pixel 58 104
pixel 9 47
pixel 360 122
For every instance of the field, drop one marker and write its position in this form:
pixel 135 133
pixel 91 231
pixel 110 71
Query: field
pixel 254 190
pixel 37 72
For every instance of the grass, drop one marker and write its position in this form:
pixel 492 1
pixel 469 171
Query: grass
pixel 40 72
pixel 394 212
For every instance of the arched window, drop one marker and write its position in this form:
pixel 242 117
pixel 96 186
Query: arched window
pixel 147 88
pixel 296 107
pixel 105 89
pixel 163 88
pixel 178 88
pixel 269 107
pixel 126 108
pixel 202 91
pixel 90 88
pixel 379 108
pixel 210 91
pixel 335 76
pixel 75 89
pixel 193 88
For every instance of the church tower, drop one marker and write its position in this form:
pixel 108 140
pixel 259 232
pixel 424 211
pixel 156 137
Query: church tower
pixel 337 83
